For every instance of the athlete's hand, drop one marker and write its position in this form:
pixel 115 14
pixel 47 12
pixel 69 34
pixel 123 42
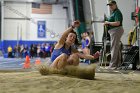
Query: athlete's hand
pixel 97 54
pixel 76 23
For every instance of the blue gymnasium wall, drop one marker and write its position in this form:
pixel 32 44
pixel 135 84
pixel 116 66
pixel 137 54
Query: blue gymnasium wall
pixel 0 45
pixel 4 45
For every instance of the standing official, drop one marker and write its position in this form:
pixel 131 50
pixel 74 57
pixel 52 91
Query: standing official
pixel 115 30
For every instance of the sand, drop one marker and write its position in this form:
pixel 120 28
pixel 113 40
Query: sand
pixel 33 82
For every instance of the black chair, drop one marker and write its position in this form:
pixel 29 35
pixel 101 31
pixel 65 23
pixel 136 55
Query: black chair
pixel 130 56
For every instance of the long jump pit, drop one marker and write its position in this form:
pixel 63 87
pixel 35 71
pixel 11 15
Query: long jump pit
pixel 32 80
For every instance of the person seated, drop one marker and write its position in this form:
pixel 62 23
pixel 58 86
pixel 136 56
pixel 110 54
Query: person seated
pixel 10 52
pixel 86 45
pixel 64 53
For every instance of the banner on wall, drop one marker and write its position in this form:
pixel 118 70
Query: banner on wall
pixel 41 29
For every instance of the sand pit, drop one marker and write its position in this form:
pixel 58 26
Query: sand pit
pixel 83 72
pixel 33 82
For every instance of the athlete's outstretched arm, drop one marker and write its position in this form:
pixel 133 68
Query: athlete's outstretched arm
pixel 65 34
pixel 90 57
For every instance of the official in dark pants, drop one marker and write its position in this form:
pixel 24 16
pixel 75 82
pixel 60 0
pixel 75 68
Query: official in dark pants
pixel 115 30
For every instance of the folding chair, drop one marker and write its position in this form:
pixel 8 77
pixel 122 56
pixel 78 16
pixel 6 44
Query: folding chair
pixel 129 57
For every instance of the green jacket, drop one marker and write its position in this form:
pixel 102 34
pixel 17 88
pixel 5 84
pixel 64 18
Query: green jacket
pixel 116 15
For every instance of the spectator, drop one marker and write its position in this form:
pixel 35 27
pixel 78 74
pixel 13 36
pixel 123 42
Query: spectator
pixel 38 50
pixel 31 51
pixel 21 51
pixel 35 50
pixel 47 50
pixel 10 52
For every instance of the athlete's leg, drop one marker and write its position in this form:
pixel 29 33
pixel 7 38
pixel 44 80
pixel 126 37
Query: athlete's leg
pixel 73 59
pixel 60 62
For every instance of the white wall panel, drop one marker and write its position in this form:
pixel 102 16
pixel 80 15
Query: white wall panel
pixel 10 8
pixel 55 22
pixel 14 21
pixel 99 9
pixel 13 27
pixel 56 26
